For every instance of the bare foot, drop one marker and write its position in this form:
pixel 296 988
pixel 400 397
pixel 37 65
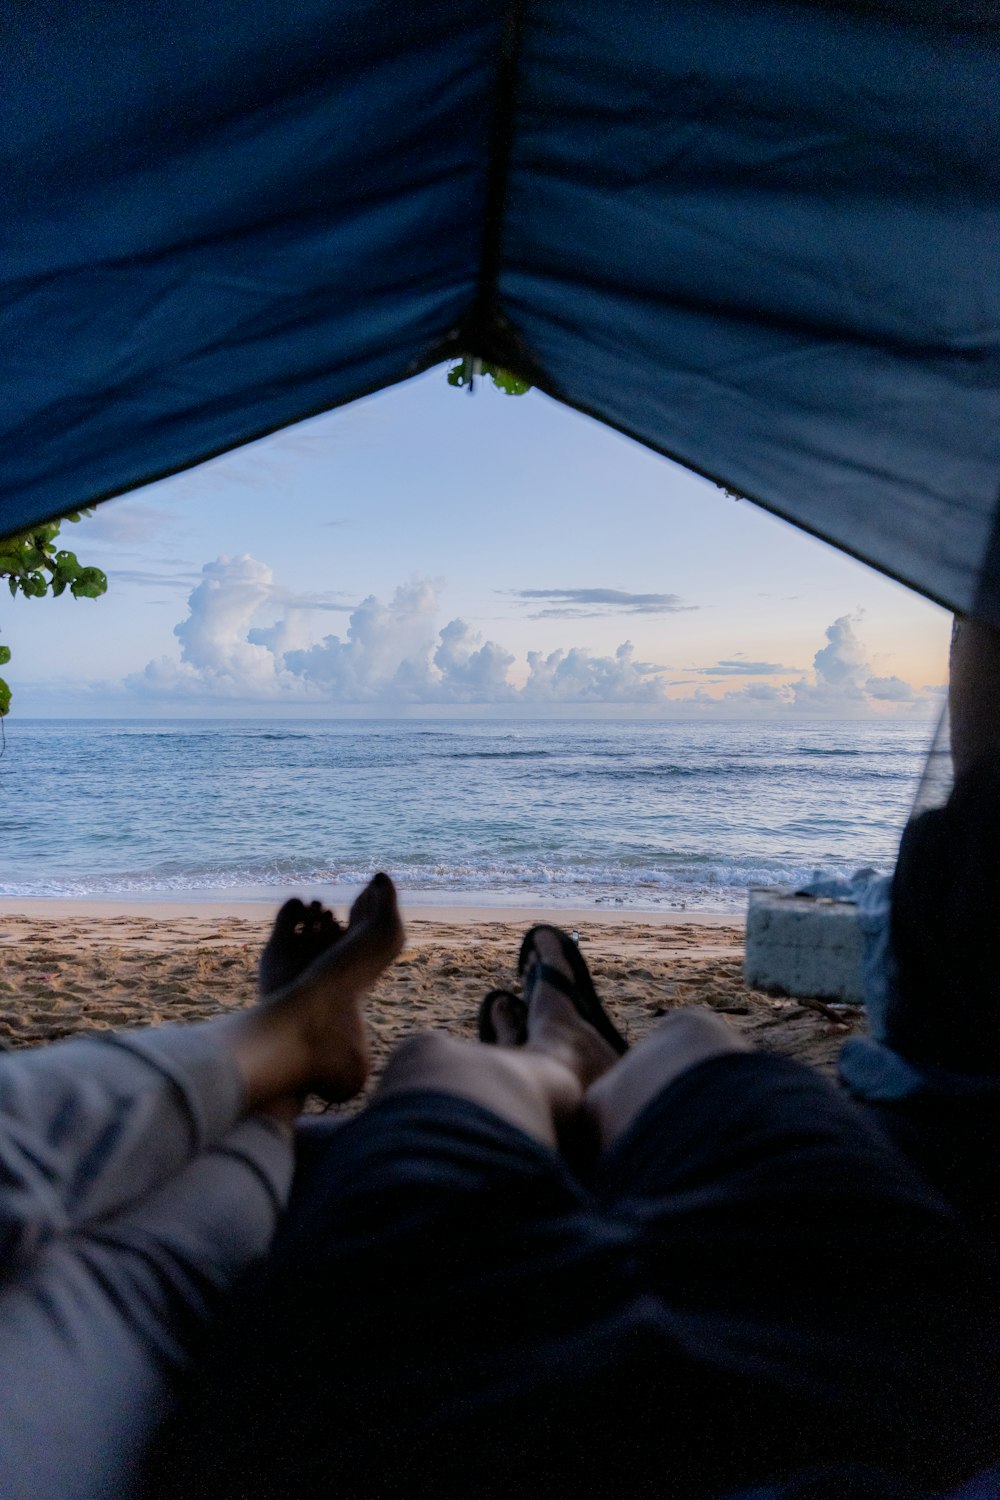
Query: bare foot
pixel 555 1026
pixel 300 934
pixel 317 1011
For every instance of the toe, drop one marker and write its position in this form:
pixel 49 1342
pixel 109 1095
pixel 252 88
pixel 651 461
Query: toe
pixel 330 927
pixel 509 1017
pixel 378 899
pixel 289 917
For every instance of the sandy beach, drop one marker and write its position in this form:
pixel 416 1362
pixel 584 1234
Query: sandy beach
pixel 72 967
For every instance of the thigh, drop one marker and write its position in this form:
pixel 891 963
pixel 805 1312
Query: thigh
pixel 89 1126
pixel 429 1245
pixel 96 1330
pixel 798 1252
pixel 428 1213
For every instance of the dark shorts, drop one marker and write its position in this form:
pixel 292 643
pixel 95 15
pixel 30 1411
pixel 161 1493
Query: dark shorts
pixel 751 1282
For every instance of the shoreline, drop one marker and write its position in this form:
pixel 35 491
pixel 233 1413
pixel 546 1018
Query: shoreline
pixel 258 909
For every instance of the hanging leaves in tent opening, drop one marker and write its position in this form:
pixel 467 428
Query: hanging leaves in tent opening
pixel 33 566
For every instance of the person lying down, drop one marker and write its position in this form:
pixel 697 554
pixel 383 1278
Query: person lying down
pixel 141 1173
pixel 529 1263
pixel 548 1263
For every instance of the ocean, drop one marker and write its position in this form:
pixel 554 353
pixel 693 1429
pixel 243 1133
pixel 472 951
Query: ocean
pixel 644 815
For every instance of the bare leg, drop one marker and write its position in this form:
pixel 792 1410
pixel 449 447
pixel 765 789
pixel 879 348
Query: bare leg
pixel 687 1037
pixel 311 1033
pixel 538 1087
pixel 88 1126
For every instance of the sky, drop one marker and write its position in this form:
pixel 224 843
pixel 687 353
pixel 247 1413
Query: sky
pixel 429 552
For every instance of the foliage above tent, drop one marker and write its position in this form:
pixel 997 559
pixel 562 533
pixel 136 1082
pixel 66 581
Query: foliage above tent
pixel 33 566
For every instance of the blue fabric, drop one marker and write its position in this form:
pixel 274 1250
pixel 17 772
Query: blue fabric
pixel 759 237
pixel 221 219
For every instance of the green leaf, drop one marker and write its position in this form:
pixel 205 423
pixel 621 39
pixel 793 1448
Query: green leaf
pixel 91 584
pixel 463 374
pixel 32 566
pixel 508 382
pixel 65 566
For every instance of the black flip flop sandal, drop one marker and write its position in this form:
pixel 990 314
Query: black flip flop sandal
pixel 580 989
pixel 485 1028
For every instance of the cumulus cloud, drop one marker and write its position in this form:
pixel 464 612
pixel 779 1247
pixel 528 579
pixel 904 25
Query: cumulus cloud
pixel 236 643
pixel 221 655
pixel 841 685
pixel 841 664
pixel 591 604
pixel 842 676
pixel 472 671
pixel 577 676
pixel 391 653
pixel 395 652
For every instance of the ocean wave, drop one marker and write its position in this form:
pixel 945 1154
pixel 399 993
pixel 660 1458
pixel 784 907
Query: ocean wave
pixel 268 734
pixel 829 750
pixel 498 755
pixel 638 815
pixel 691 878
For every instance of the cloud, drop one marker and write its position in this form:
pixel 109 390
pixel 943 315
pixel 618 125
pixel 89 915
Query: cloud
pixel 391 653
pixel 841 663
pixel 841 673
pixel 737 668
pixel 841 685
pixel 576 676
pixel 591 604
pixel 221 655
pixel 235 644
pixel 890 690
pixel 386 651
pixel 152 578
pixel 472 671
pixel 334 600
pixel 122 523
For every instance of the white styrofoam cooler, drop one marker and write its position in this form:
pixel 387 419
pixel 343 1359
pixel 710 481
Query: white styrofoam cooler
pixel 803 945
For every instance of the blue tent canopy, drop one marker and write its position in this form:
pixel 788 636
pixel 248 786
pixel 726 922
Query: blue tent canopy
pixel 759 237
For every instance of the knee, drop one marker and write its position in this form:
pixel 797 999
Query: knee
pixel 688 1036
pixel 700 1029
pixel 421 1058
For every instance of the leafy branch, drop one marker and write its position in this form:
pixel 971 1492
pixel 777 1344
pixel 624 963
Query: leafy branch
pixel 33 566
pixel 465 372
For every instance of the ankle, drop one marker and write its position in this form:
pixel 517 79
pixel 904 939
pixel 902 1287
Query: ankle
pixel 271 1051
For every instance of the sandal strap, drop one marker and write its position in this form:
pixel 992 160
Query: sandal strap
pixel 540 973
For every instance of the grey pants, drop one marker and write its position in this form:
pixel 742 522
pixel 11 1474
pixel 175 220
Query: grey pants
pixel 133 1193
